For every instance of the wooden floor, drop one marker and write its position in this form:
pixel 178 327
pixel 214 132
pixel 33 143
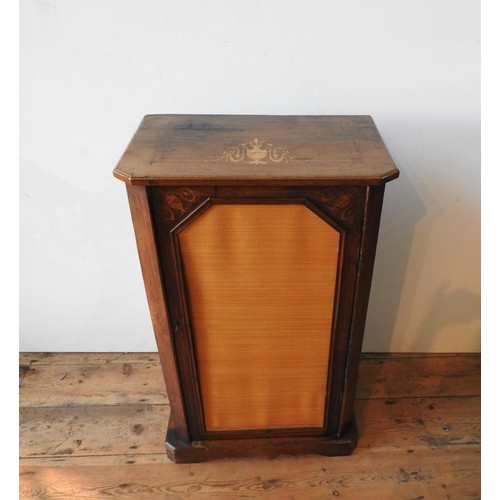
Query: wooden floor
pixel 92 426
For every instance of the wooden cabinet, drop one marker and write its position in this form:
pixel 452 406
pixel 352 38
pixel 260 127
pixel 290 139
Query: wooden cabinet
pixel 257 236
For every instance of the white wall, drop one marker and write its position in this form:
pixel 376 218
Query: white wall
pixel 90 69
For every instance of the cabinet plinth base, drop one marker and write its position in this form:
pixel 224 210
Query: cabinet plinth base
pixel 210 449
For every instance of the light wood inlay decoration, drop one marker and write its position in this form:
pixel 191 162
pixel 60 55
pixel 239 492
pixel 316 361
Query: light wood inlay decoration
pixel 196 150
pixel 261 283
pixel 256 152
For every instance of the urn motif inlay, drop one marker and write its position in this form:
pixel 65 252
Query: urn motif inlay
pixel 256 152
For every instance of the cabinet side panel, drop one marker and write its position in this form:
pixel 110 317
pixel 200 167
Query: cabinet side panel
pixel 371 222
pixel 148 255
pixel 261 285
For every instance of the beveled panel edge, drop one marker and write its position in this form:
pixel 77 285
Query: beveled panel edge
pixel 253 181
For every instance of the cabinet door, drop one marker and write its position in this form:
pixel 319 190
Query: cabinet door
pixel 260 289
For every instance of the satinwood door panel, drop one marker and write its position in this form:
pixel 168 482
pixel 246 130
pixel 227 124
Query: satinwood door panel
pixel 260 283
pixel 259 303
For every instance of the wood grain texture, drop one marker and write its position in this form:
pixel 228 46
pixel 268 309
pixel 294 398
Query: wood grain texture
pixel 92 431
pixel 391 377
pixel 67 433
pixel 190 149
pixel 118 383
pixel 409 447
pixel 175 208
pixel 261 284
pixel 377 473
pixel 151 273
pixel 420 377
pixel 371 219
pixel 85 358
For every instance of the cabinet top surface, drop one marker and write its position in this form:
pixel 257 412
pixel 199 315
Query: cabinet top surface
pixel 263 150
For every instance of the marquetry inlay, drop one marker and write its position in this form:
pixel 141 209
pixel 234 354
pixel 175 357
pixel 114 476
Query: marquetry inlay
pixel 256 152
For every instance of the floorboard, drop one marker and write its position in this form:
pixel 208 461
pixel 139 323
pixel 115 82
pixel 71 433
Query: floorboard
pixel 92 425
pixel 374 474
